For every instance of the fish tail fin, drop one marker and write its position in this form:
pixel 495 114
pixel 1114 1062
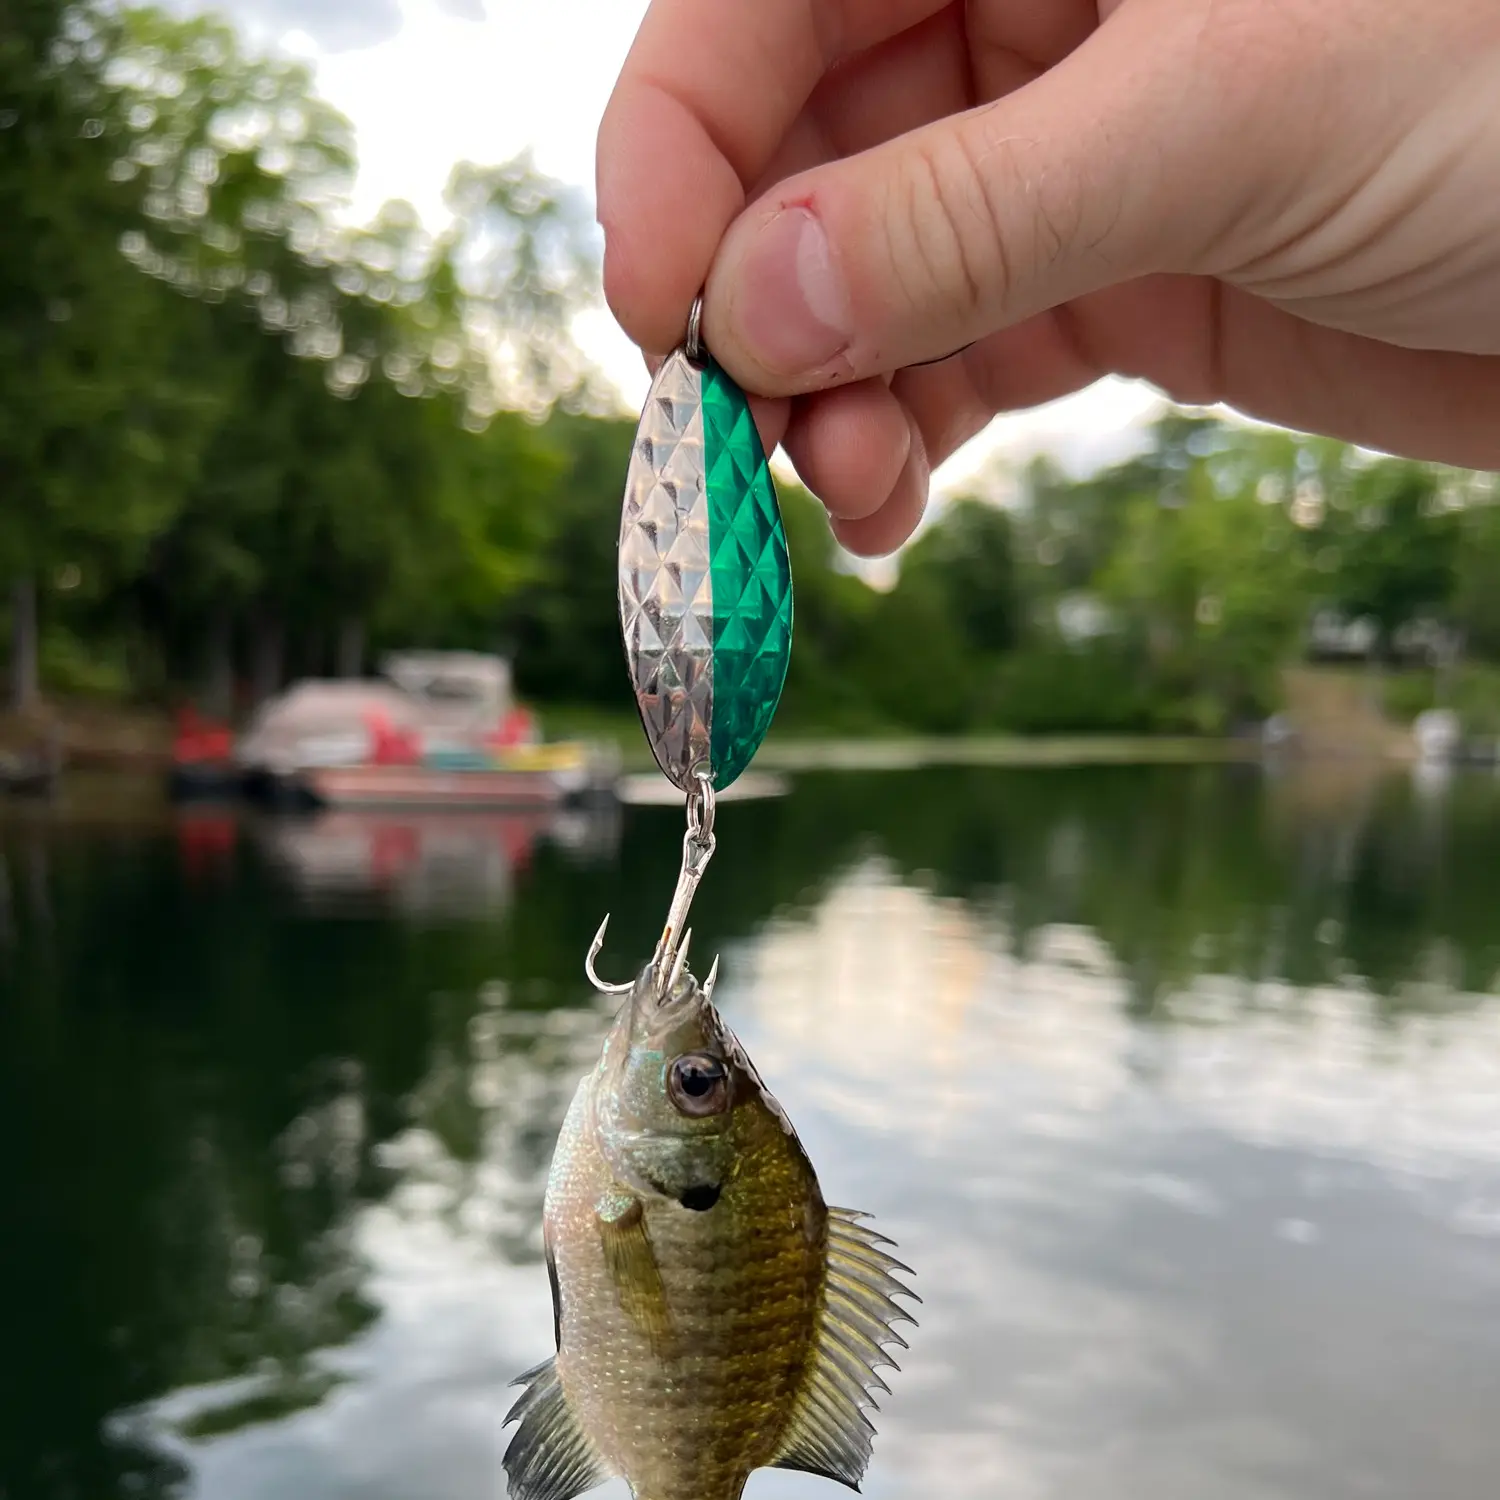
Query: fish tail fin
pixel 551 1457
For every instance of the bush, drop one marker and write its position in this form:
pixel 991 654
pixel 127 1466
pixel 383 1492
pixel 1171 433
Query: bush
pixel 70 666
pixel 1476 698
pixel 1404 695
pixel 1472 691
pixel 1055 690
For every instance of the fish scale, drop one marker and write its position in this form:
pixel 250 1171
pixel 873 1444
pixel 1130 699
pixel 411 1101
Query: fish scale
pixel 743 1297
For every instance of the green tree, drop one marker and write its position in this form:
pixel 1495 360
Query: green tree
pixel 518 264
pixel 564 623
pixel 1211 586
pixel 359 479
pixel 968 555
pixel 1476 598
pixel 98 426
pixel 826 685
pixel 1390 552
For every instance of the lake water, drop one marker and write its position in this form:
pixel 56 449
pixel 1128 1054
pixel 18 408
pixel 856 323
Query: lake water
pixel 1179 1089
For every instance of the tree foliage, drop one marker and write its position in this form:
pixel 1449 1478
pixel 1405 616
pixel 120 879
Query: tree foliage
pixel 243 436
pixel 228 419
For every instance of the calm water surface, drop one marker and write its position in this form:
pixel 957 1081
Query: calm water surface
pixel 1179 1089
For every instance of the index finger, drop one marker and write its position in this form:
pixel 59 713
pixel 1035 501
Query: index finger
pixel 708 91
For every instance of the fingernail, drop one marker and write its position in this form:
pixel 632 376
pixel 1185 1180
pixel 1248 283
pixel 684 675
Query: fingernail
pixel 790 307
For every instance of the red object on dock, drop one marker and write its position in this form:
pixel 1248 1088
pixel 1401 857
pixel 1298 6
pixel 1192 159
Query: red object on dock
pixel 390 746
pixel 518 727
pixel 198 740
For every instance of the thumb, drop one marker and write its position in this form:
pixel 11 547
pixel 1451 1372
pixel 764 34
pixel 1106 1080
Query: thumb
pixel 1093 173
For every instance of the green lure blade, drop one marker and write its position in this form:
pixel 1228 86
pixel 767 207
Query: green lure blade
pixel 705 577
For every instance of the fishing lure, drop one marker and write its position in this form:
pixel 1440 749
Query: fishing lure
pixel 705 577
pixel 712 1314
pixel 705 593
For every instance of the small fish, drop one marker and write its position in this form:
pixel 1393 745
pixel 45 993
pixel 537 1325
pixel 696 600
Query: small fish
pixel 712 1315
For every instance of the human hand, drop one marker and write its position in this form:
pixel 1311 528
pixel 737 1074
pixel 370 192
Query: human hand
pixel 1286 205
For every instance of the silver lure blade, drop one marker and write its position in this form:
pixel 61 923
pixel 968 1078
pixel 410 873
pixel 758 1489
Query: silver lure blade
pixel 666 600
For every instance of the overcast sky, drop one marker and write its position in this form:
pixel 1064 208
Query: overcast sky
pixel 431 82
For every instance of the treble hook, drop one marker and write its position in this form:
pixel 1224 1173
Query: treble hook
pixel 670 958
pixel 697 849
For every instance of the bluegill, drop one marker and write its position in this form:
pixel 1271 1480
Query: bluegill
pixel 712 1314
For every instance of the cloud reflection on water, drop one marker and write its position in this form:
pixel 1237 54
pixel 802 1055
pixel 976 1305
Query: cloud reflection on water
pixel 1161 1258
pixel 1168 1256
pixel 916 1016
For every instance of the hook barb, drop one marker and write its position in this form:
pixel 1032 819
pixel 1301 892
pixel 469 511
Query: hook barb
pixel 588 965
pixel 711 981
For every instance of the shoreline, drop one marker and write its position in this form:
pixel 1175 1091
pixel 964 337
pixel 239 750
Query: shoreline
pixel 116 739
pixel 911 753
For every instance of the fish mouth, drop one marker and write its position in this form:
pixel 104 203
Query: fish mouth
pixel 672 1007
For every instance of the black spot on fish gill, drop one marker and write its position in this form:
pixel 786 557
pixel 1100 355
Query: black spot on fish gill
pixel 701 1198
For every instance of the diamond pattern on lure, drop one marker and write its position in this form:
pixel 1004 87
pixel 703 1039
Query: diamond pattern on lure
pixel 705 579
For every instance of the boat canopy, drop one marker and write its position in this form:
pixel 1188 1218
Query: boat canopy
pixel 439 696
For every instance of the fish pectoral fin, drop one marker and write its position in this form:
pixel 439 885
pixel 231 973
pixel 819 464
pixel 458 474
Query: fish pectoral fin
pixel 551 1457
pixel 632 1266
pixel 829 1433
pixel 550 1255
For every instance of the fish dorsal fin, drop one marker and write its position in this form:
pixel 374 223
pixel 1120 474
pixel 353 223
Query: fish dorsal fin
pixel 550 1457
pixel 829 1433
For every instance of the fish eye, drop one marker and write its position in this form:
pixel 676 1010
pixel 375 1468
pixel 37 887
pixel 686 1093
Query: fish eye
pixel 698 1083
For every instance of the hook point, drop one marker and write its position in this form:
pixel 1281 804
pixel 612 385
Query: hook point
pixel 602 986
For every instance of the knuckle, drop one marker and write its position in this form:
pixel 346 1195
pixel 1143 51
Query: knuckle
pixel 941 246
pixel 983 215
pixel 1032 199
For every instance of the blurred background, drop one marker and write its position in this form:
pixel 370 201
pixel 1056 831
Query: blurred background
pixel 1115 907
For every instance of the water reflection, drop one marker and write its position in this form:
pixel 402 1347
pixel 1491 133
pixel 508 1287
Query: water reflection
pixel 1179 1090
pixel 438 863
